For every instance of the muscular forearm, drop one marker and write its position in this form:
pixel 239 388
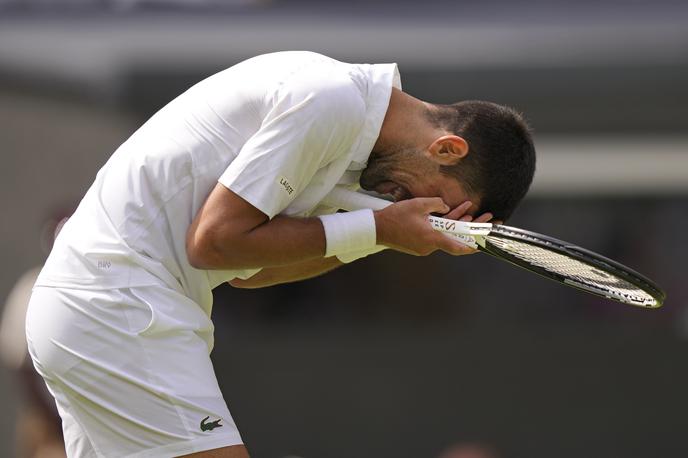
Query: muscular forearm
pixel 229 233
pixel 288 274
pixel 279 242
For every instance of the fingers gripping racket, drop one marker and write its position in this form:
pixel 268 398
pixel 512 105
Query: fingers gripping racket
pixel 555 259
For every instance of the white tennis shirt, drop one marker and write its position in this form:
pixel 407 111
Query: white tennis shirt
pixel 280 130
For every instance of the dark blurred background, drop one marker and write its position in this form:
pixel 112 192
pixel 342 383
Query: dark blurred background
pixel 396 356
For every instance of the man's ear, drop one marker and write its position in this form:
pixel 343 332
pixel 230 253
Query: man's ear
pixel 448 150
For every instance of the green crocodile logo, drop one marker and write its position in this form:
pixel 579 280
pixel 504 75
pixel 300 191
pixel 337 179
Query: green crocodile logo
pixel 210 425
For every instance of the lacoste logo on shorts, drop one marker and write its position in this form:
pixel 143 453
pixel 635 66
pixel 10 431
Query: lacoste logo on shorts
pixel 210 425
pixel 285 185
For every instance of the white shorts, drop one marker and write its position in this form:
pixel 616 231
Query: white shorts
pixel 126 381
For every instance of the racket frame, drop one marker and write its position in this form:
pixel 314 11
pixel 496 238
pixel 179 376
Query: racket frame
pixel 575 252
pixel 475 235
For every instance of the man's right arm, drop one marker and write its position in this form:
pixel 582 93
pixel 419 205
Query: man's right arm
pixel 229 233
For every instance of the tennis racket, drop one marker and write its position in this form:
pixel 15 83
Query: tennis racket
pixel 554 259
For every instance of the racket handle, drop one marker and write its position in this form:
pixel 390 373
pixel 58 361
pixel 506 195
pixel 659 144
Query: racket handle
pixel 464 232
pixel 468 233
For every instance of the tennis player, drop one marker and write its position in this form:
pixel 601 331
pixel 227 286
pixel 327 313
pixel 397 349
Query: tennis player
pixel 225 184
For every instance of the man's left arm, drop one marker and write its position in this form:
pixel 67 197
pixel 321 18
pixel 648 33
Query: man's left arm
pixel 271 276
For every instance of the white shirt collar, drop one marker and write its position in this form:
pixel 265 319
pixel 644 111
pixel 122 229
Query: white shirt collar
pixel 382 77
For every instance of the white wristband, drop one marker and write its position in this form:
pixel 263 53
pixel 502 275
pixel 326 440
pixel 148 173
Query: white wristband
pixel 348 232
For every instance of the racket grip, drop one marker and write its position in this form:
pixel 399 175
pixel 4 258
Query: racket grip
pixel 462 231
pixel 459 227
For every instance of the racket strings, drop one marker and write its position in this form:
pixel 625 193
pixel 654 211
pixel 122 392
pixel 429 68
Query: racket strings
pixel 574 271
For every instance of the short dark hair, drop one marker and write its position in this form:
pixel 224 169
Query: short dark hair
pixel 500 165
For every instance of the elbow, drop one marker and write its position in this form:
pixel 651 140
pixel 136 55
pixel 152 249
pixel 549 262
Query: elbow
pixel 205 253
pixel 198 257
pixel 201 252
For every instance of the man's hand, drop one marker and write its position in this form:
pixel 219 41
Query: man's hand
pixel 404 226
pixel 459 214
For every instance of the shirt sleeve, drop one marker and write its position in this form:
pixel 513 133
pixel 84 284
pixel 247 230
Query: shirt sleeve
pixel 313 120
